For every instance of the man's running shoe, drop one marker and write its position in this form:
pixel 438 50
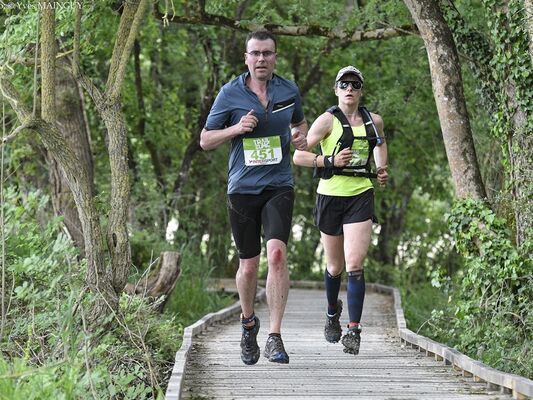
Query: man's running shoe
pixel 275 351
pixel 352 340
pixel 333 330
pixel 250 351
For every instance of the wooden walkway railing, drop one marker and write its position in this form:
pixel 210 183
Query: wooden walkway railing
pixel 393 362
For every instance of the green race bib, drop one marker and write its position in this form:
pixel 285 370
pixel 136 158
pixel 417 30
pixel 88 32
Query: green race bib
pixel 262 151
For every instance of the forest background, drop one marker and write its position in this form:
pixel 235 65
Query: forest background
pixel 102 177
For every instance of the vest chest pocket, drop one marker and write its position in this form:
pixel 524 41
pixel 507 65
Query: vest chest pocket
pixel 282 105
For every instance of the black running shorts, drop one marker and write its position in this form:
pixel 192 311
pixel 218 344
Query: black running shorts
pixel 332 212
pixel 271 209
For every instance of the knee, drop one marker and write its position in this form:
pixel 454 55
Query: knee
pixel 276 259
pixel 354 264
pixel 248 270
pixel 334 269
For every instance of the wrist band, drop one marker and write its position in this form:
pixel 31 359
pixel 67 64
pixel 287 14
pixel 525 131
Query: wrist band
pixel 328 161
pixel 314 161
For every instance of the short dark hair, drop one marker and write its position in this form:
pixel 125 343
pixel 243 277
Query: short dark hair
pixel 262 34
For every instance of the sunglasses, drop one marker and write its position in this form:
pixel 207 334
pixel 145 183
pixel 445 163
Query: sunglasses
pixel 356 85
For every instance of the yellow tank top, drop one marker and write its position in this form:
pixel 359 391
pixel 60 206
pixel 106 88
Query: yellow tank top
pixel 339 185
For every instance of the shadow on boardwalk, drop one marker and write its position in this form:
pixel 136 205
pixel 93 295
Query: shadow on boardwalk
pixel 384 368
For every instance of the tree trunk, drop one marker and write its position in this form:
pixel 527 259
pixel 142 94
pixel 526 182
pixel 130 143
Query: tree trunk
pixel 61 92
pixel 194 144
pixel 449 97
pixel 391 228
pixel 73 125
pixel 141 126
pixel 55 144
pixel 161 281
pixel 520 136
pixel 109 108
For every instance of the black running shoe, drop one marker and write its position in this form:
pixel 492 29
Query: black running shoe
pixel 249 349
pixel 352 340
pixel 333 330
pixel 274 350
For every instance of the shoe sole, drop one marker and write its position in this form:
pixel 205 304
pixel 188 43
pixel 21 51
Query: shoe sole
pixel 349 350
pixel 333 341
pixel 340 334
pixel 254 360
pixel 279 359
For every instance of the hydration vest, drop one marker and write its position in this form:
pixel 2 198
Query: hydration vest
pixel 346 141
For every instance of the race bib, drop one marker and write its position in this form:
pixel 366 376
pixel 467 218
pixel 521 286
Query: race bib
pixel 262 151
pixel 359 154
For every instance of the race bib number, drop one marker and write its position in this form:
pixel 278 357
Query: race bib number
pixel 262 151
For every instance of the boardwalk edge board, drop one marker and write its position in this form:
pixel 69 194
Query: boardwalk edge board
pixel 175 383
pixel 520 387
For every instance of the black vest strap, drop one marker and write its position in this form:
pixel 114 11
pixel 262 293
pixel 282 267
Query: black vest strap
pixel 346 141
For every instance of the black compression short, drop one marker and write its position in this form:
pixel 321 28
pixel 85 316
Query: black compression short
pixel 271 209
pixel 332 212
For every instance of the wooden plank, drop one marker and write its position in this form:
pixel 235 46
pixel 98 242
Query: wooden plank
pixel 384 369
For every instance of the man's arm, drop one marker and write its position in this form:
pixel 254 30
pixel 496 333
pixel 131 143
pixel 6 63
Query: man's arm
pixel 299 134
pixel 211 139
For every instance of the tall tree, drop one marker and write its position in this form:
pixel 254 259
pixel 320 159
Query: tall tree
pixel 61 103
pixel 449 97
pixel 105 279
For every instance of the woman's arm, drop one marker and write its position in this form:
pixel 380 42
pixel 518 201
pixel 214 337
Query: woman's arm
pixel 380 152
pixel 318 131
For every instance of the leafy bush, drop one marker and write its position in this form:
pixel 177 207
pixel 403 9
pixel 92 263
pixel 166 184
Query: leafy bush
pixel 493 296
pixel 192 298
pixel 47 351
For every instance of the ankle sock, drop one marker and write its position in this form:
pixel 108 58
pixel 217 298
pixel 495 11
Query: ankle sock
pixel 249 320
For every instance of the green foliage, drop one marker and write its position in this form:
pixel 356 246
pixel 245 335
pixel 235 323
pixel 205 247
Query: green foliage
pixel 493 320
pixel 494 37
pixel 420 302
pixel 46 348
pixel 192 298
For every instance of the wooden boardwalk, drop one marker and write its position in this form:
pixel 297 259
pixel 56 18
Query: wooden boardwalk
pixel 384 368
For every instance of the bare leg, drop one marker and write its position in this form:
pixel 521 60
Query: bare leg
pixel 333 247
pixel 357 238
pixel 357 241
pixel 246 279
pixel 277 285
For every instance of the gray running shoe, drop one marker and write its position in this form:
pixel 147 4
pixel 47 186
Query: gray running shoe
pixel 333 330
pixel 275 351
pixel 352 340
pixel 249 349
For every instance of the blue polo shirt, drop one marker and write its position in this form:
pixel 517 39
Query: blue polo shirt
pixel 284 107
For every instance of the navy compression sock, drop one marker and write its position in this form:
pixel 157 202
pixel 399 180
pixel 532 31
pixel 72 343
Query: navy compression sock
pixel 333 285
pixel 356 295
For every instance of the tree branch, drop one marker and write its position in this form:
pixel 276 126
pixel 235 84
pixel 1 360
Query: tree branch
pixel 77 38
pixel 30 124
pixel 130 24
pixel 48 64
pixel 288 30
